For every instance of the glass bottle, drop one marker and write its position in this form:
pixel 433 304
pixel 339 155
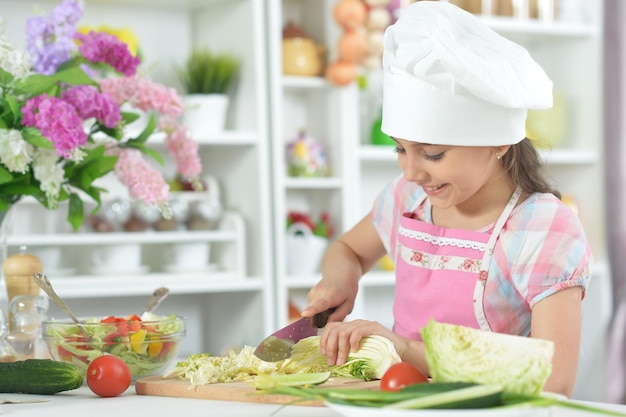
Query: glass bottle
pixel 18 272
pixel 28 312
pixel 7 353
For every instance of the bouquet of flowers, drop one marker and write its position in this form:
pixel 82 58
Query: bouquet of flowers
pixel 62 128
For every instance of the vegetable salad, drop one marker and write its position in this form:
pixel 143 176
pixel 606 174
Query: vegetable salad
pixel 147 344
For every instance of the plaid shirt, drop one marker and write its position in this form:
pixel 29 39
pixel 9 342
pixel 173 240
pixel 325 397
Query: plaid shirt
pixel 541 249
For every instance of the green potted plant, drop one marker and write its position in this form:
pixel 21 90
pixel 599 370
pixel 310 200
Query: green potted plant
pixel 206 77
pixel 206 72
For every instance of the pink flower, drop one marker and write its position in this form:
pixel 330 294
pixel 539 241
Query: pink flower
pixel 482 276
pixel 106 48
pixel 468 264
pixel 185 153
pixel 89 102
pixel 144 94
pixel 144 182
pixel 58 121
pixel 417 256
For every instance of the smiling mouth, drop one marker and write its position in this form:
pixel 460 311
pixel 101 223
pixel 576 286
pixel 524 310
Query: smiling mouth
pixel 431 189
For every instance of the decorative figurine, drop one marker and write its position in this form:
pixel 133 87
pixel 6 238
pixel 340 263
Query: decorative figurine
pixel 306 157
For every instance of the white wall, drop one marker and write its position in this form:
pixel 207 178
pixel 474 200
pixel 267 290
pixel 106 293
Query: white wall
pixel 597 311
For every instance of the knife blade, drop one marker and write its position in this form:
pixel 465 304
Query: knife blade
pixel 277 346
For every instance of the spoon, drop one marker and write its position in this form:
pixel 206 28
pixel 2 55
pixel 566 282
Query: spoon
pixel 44 283
pixel 157 296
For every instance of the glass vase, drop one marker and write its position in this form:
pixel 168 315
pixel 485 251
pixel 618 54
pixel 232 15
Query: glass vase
pixel 5 230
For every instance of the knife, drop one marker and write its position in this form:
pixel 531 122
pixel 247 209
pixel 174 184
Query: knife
pixel 277 346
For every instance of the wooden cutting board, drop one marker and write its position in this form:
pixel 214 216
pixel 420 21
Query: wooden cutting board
pixel 235 391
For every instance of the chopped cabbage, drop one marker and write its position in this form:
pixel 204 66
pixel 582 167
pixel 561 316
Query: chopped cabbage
pixel 375 355
pixel 458 353
pixel 204 368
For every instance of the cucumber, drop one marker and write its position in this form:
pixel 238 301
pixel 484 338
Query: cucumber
pixel 118 349
pixel 362 396
pixel 264 381
pixel 478 396
pixel 39 376
pixel 428 388
pixel 425 395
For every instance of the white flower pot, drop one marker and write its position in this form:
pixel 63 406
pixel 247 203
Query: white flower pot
pixel 304 250
pixel 205 113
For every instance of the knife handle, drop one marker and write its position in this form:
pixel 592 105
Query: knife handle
pixel 320 319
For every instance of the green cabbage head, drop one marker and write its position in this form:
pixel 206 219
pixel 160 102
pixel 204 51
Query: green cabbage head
pixel 458 353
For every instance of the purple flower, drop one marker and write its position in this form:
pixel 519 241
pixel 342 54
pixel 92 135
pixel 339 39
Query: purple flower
pixel 106 48
pixel 89 102
pixel 57 120
pixel 50 41
pixel 66 15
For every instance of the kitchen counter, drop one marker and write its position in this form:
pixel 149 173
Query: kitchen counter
pixel 82 402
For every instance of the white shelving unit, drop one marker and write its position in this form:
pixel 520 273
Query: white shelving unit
pixel 327 113
pixel 224 308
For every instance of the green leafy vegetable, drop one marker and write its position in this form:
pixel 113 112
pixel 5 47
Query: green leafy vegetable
pixel 204 368
pixel 477 396
pixel 375 355
pixel 435 395
pixel 264 381
pixel 371 361
pixel 458 353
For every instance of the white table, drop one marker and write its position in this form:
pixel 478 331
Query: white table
pixel 82 402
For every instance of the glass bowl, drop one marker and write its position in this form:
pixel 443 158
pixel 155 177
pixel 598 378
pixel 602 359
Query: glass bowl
pixel 147 346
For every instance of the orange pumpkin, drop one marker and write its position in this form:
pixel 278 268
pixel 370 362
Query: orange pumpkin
pixel 350 14
pixel 342 73
pixel 353 46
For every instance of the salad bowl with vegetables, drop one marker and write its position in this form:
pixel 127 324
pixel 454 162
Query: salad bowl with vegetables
pixel 147 344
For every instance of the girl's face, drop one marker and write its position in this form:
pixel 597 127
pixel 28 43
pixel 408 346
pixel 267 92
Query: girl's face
pixel 451 175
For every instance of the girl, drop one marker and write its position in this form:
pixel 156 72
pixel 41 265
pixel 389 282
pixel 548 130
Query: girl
pixel 478 236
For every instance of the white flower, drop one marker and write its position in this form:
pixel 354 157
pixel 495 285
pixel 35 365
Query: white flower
pixel 76 155
pixel 15 152
pixel 49 173
pixel 14 62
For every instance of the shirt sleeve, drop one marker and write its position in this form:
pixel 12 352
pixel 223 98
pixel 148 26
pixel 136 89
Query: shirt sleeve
pixel 552 250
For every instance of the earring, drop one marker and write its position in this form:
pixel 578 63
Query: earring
pixel 498 155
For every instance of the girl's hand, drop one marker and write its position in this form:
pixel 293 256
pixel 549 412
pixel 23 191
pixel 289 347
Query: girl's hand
pixel 329 293
pixel 340 339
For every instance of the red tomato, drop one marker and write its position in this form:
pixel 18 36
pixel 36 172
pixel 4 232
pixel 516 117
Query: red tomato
pixel 108 376
pixel 120 323
pixel 134 323
pixel 400 375
pixel 109 319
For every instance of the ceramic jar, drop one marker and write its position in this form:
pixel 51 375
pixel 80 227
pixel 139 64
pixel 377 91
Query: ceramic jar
pixel 301 55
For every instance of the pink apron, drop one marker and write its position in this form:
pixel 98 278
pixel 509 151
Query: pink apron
pixel 441 273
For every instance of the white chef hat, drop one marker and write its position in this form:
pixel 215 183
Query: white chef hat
pixel 449 79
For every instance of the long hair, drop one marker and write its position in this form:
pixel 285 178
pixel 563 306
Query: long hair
pixel 524 167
